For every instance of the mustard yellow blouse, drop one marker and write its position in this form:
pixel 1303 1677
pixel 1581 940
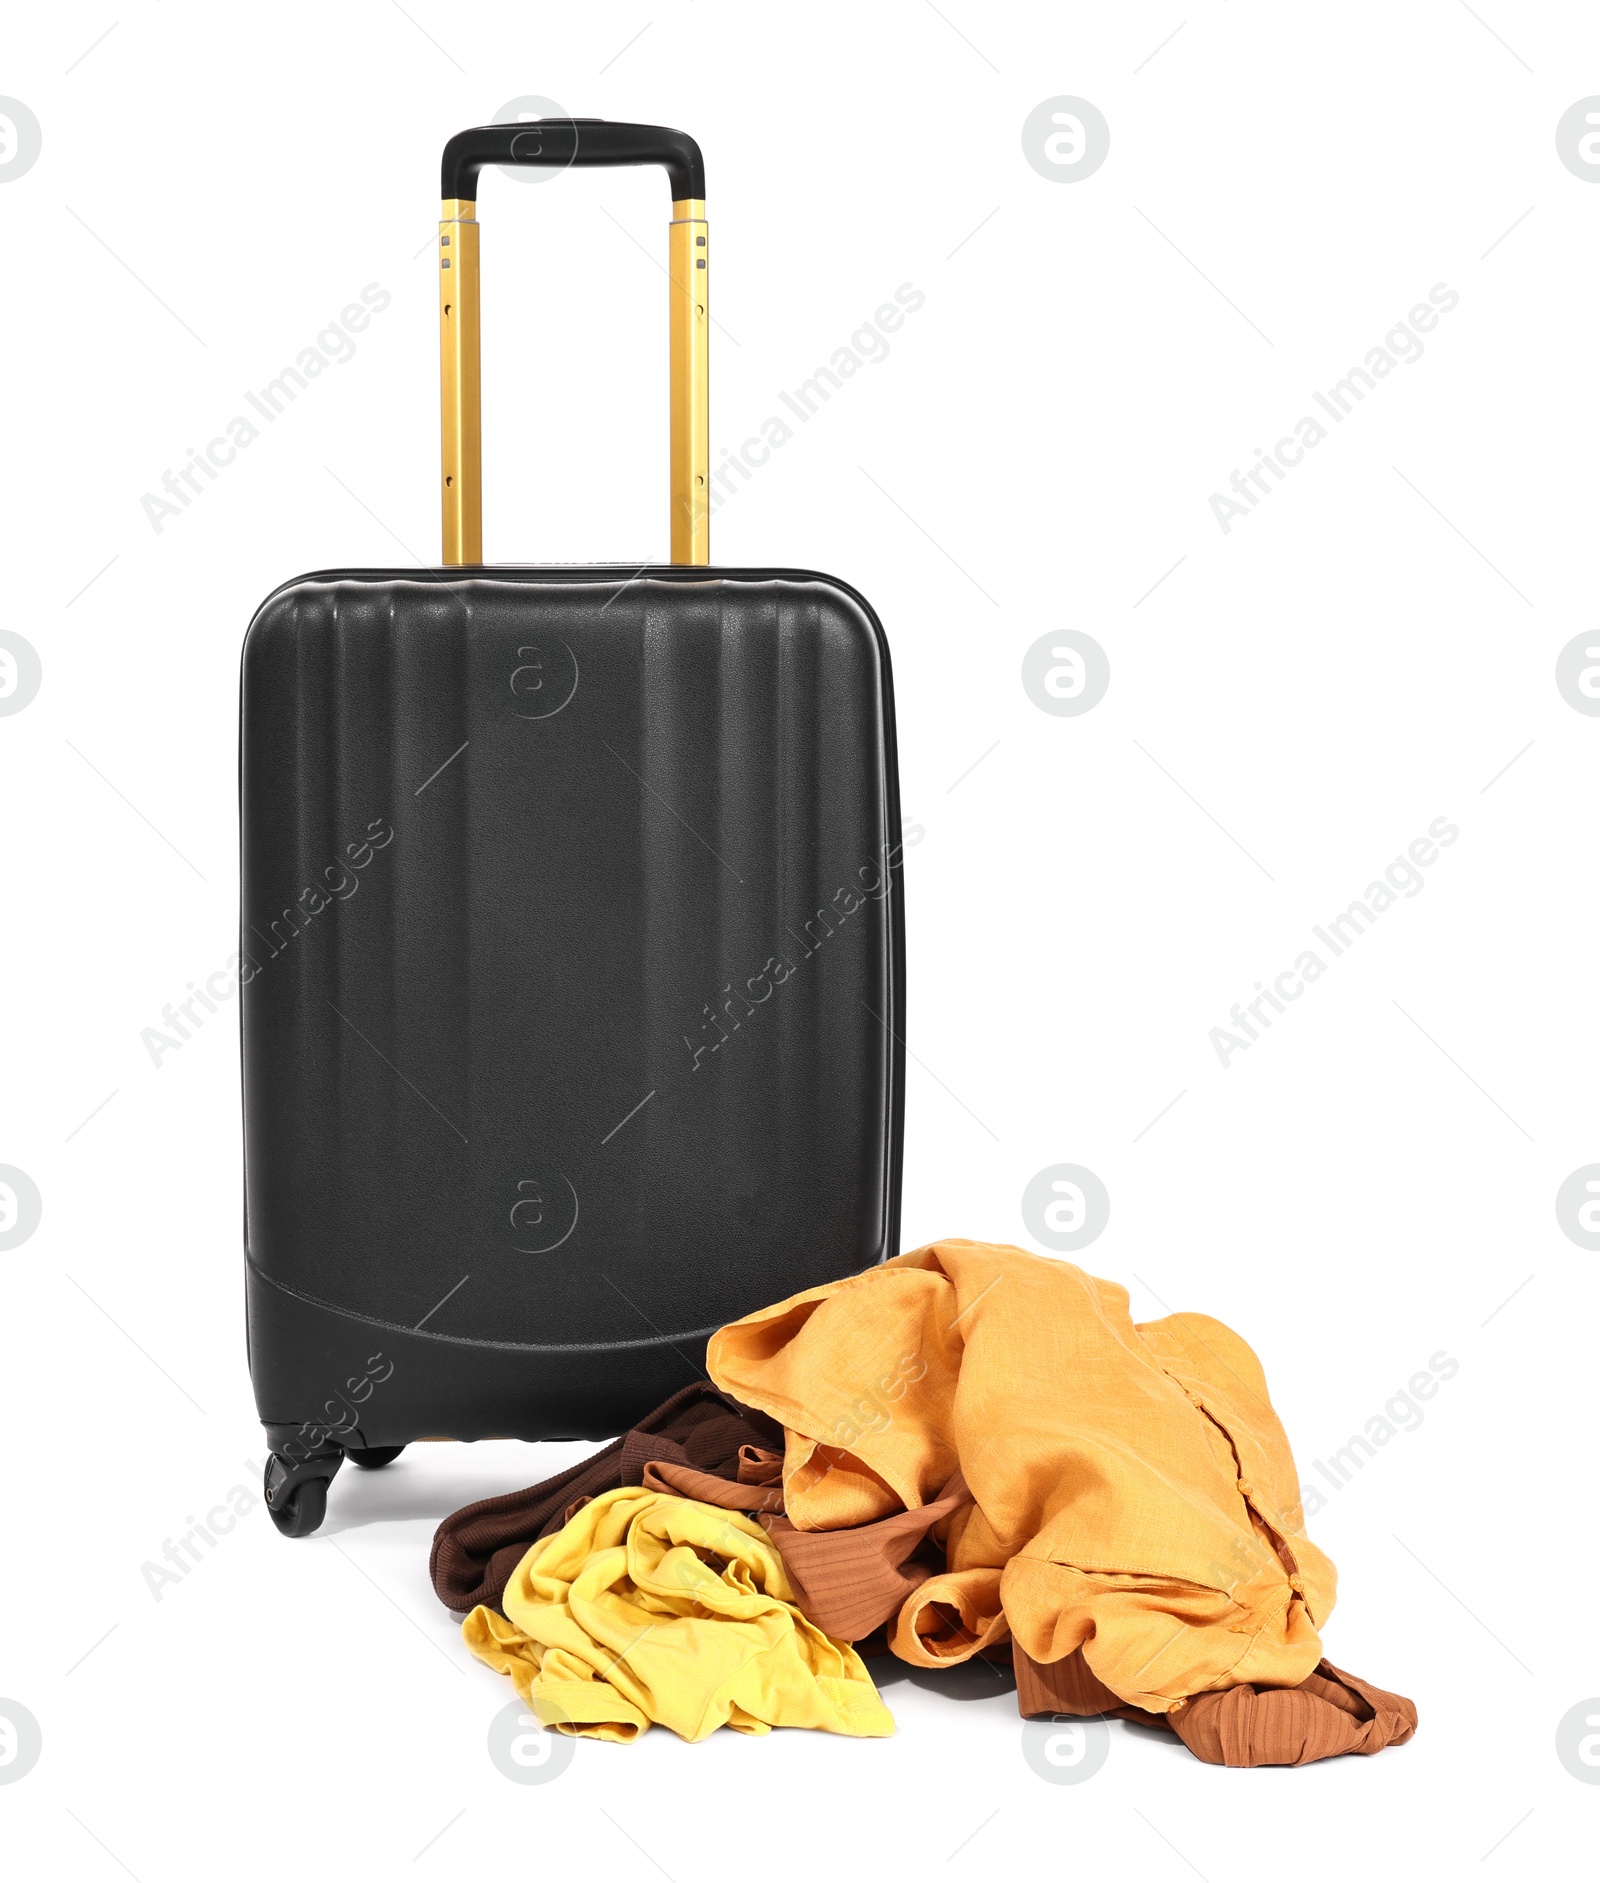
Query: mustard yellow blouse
pixel 1133 1490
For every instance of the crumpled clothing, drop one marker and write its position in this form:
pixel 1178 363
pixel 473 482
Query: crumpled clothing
pixel 850 1582
pixel 700 1444
pixel 477 1547
pixel 1134 1495
pixel 647 1607
pixel 1329 1713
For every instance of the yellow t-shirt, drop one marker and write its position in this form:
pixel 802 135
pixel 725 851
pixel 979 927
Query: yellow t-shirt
pixel 649 1607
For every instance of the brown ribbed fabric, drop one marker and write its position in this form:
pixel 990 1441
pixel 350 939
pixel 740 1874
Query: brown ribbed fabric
pixel 476 1549
pixel 852 1581
pixel 707 1488
pixel 760 1466
pixel 1067 1686
pixel 1330 1712
pixel 849 1582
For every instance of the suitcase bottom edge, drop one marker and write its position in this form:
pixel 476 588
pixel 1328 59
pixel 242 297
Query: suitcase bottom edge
pixel 339 1379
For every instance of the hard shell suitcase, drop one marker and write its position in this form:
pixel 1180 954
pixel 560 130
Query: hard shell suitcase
pixel 571 944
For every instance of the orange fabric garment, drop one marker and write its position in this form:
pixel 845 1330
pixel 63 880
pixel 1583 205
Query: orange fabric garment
pixel 1133 1492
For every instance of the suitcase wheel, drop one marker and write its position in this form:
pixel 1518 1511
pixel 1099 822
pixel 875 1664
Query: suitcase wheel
pixel 303 1510
pixel 373 1457
pixel 296 1490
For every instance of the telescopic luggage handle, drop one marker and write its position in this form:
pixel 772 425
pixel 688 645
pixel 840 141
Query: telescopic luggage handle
pixel 554 143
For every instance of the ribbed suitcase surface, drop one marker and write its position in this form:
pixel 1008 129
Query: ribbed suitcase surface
pixel 571 915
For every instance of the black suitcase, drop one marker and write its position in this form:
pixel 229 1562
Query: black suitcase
pixel 571 946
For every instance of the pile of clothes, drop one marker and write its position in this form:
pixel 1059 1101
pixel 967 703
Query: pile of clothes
pixel 969 1450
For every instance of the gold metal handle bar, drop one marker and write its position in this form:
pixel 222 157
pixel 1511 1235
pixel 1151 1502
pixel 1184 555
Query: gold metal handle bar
pixel 461 388
pixel 688 266
pixel 460 385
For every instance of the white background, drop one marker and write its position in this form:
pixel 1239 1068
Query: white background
pixel 1370 1184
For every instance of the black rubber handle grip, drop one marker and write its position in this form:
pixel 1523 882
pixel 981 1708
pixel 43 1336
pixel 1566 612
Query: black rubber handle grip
pixel 554 143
